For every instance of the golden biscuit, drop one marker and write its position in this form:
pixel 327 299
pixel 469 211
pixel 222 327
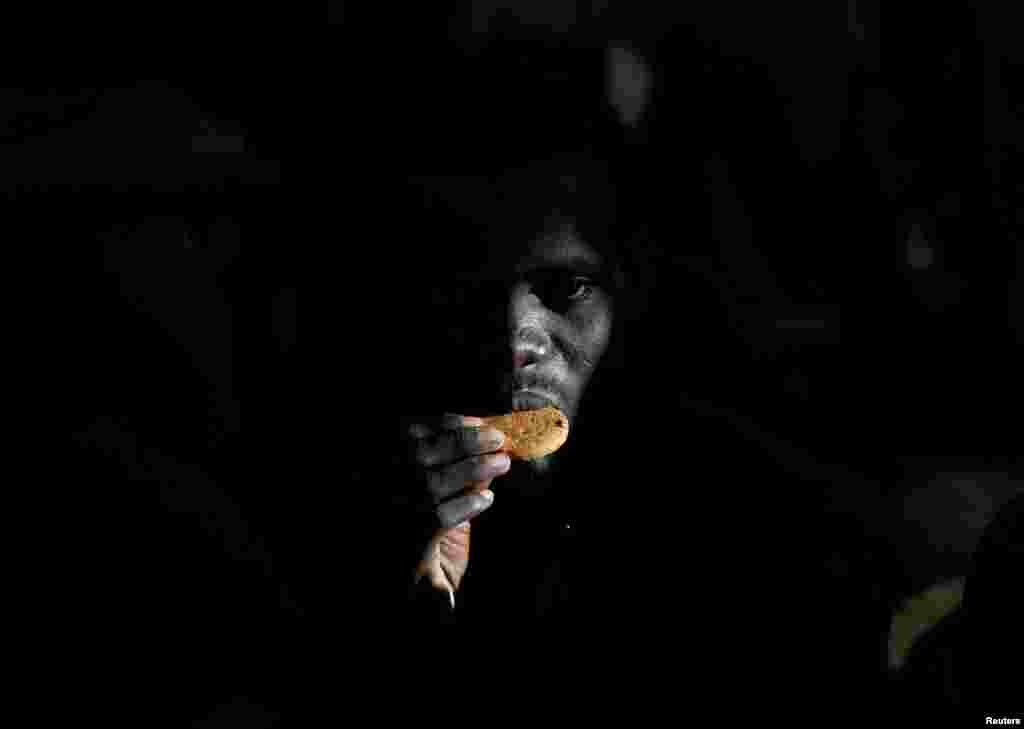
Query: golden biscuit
pixel 531 434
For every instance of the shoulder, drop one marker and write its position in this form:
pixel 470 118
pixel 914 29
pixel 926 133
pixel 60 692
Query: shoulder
pixel 992 637
pixel 998 561
pixel 1004 537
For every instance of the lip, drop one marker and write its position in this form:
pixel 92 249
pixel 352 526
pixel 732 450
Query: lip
pixel 529 399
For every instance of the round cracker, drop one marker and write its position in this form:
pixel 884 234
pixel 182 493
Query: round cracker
pixel 531 434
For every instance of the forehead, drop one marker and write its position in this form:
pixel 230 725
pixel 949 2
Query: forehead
pixel 563 250
pixel 559 249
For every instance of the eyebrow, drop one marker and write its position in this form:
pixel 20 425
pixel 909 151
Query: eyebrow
pixel 573 262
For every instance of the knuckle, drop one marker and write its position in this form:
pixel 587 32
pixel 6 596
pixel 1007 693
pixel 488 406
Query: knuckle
pixel 477 468
pixel 416 431
pixel 424 454
pixel 447 518
pixel 435 483
pixel 483 467
pixel 451 420
pixel 466 440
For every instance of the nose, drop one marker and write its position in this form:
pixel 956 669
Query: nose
pixel 530 341
pixel 525 309
pixel 523 357
pixel 530 346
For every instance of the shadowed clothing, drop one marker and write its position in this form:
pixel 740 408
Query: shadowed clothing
pixel 685 547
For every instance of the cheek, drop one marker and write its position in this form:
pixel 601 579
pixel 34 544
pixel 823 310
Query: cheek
pixel 594 328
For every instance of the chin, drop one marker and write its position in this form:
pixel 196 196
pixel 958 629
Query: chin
pixel 542 466
pixel 532 477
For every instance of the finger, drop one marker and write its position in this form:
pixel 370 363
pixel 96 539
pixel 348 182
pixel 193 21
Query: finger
pixel 455 445
pixel 454 547
pixel 449 481
pixel 442 492
pixel 474 488
pixel 455 541
pixel 425 427
pixel 464 508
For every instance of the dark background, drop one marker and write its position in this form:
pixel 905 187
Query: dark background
pixel 139 194
pixel 791 169
pixel 780 168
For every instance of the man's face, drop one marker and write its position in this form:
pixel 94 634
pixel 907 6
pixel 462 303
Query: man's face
pixel 559 322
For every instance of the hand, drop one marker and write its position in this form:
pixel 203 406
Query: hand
pixel 455 461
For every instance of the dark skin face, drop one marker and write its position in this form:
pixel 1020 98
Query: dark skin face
pixel 559 323
pixel 552 316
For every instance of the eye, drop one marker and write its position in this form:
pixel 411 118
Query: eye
pixel 560 290
pixel 581 288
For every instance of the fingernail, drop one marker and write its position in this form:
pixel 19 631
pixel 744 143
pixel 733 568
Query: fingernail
pixel 488 495
pixel 496 464
pixel 492 438
pixel 471 422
